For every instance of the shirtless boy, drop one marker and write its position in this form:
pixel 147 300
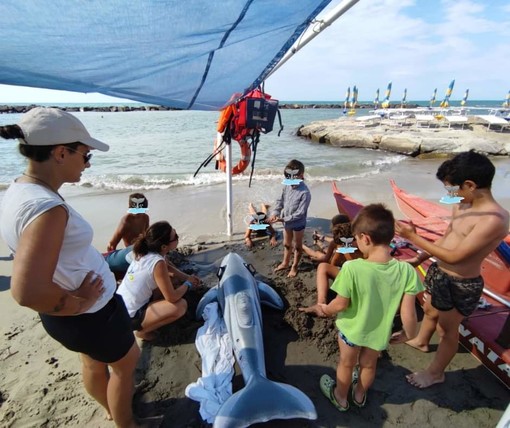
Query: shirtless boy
pixel 134 223
pixel 454 285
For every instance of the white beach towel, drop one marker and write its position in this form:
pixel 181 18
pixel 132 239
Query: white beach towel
pixel 215 347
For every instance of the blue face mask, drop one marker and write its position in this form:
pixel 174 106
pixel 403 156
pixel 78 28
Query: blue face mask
pixel 451 196
pixel 346 249
pixel 290 179
pixel 137 206
pixel 256 220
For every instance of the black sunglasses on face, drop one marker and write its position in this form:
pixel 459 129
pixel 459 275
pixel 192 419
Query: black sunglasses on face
pixel 176 238
pixel 86 156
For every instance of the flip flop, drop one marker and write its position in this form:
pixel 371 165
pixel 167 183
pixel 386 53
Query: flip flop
pixel 353 396
pixel 328 385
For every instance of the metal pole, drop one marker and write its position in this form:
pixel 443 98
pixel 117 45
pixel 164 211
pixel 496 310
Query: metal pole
pixel 228 158
pixel 318 27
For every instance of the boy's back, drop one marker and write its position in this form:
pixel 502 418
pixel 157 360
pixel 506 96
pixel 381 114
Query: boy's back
pixel 375 291
pixel 131 226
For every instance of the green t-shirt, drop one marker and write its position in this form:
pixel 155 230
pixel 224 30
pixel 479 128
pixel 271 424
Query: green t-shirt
pixel 375 291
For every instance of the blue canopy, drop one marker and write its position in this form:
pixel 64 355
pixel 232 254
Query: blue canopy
pixel 190 54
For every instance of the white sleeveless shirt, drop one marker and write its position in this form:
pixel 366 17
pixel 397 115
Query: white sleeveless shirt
pixel 138 283
pixel 22 204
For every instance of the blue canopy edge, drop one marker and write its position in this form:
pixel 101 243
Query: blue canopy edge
pixel 189 55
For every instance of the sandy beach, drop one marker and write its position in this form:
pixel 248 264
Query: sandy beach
pixel 40 381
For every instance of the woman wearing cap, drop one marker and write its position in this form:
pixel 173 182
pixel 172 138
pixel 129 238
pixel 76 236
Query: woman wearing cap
pixel 56 271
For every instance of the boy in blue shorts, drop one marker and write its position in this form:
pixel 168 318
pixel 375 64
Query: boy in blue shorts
pixel 369 293
pixel 291 209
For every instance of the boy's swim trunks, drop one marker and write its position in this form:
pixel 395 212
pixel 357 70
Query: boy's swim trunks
pixel 450 292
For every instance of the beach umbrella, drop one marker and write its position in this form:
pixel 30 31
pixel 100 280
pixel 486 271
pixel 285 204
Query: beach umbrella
pixel 354 100
pixel 347 96
pixel 433 98
pixel 464 100
pixel 506 103
pixel 376 100
pixel 386 102
pixel 445 102
pixel 404 98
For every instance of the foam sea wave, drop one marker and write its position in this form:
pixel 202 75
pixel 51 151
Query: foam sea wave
pixel 141 182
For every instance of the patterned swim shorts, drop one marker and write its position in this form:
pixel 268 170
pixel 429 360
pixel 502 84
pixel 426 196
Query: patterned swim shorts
pixel 450 292
pixel 345 340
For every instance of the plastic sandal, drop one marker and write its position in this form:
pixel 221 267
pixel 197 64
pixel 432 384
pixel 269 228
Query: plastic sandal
pixel 328 385
pixel 354 401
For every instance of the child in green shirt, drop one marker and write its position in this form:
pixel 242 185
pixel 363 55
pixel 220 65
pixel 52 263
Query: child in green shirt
pixel 369 293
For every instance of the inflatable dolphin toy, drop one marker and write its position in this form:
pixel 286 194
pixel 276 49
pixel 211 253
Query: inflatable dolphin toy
pixel 239 296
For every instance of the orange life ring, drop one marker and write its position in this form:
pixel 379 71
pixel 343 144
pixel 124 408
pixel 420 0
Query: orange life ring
pixel 243 162
pixel 245 147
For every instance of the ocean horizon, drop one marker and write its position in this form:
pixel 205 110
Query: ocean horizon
pixel 422 103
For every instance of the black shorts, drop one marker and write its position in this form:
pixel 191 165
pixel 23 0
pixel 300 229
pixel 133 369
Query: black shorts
pixel 105 335
pixel 138 317
pixel 450 292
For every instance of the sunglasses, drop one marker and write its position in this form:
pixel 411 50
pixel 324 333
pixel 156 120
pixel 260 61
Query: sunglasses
pixel 291 173
pixel 176 238
pixel 86 156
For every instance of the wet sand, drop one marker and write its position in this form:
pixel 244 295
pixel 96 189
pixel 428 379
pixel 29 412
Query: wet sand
pixel 40 382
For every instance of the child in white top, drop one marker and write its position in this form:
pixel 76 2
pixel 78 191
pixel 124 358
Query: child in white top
pixel 151 299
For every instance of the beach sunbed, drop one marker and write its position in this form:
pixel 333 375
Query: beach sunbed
pixel 370 120
pixel 455 120
pixel 494 120
pixel 424 120
pixel 397 119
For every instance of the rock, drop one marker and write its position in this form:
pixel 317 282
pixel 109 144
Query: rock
pixel 339 139
pixel 408 139
pixel 400 144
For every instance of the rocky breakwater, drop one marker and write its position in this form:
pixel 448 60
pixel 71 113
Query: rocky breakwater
pixel 408 138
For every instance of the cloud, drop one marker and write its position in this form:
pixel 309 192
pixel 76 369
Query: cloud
pixel 416 44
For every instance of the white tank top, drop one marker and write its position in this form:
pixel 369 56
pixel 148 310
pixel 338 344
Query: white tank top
pixel 24 202
pixel 138 283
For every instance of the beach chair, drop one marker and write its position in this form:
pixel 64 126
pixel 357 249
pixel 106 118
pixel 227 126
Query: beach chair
pixel 370 120
pixel 491 120
pixel 398 118
pixel 455 120
pixel 424 120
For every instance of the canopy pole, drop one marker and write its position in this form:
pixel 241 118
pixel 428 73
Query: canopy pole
pixel 228 159
pixel 318 27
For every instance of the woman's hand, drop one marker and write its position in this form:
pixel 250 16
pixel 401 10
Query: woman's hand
pixel 194 280
pixel 90 290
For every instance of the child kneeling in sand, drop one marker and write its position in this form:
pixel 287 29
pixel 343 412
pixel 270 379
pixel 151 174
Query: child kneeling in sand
pixel 340 228
pixel 151 299
pixel 370 291
pixel 259 225
pixel 329 269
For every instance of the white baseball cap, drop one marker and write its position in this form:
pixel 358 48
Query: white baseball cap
pixel 45 126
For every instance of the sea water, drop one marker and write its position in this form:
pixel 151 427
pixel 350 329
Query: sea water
pixel 164 149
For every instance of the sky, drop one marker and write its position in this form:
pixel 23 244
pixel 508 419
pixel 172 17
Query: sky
pixel 418 45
